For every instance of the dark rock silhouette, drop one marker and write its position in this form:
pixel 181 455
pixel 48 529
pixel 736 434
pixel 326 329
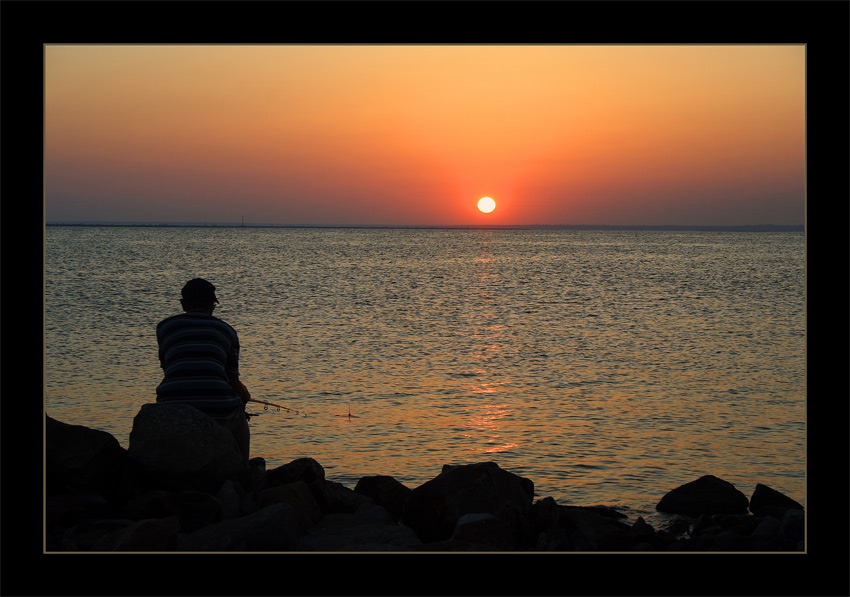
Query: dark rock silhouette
pixel 767 501
pixel 82 459
pixel 182 449
pixel 434 508
pixel 183 486
pixel 386 492
pixel 706 495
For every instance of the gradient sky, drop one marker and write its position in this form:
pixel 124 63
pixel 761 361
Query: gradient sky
pixel 415 135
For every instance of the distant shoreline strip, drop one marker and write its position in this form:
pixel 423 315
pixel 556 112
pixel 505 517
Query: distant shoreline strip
pixel 662 228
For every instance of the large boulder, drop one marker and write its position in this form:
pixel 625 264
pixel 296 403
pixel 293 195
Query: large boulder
pixel 386 492
pixel 433 509
pixel 79 459
pixel 767 501
pixel 300 469
pixel 183 448
pixel 706 495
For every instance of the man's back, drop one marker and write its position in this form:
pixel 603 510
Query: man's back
pixel 199 353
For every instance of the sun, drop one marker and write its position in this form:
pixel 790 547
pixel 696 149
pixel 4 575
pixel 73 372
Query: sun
pixel 486 205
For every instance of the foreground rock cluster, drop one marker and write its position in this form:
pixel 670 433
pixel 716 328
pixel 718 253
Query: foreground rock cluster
pixel 182 486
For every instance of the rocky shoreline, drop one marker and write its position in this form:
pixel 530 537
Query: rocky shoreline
pixel 182 486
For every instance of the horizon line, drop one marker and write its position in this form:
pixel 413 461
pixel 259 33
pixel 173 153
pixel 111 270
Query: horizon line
pixel 695 227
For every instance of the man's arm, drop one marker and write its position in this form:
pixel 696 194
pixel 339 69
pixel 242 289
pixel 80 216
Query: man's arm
pixel 240 388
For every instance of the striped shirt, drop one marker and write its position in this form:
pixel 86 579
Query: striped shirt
pixel 197 353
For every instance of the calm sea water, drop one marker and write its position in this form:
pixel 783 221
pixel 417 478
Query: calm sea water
pixel 606 366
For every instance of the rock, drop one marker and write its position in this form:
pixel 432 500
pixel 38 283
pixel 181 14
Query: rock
pixel 84 460
pixel 183 448
pixel 768 528
pixel 793 527
pixel 385 491
pixel 725 532
pixel 253 475
pixel 703 523
pixel 369 528
pixel 339 498
pixel 730 541
pixel 554 538
pixel 575 528
pixel 642 534
pixel 769 501
pixel 677 527
pixel 742 524
pixel 591 531
pixel 274 528
pixel 157 503
pixel 297 495
pixel 704 540
pixel 544 518
pixel 601 511
pixel 747 532
pixel 194 509
pixel 369 513
pixel 706 495
pixel 483 529
pixel 433 509
pixel 230 498
pixel 85 535
pixel 157 534
pixel 301 469
pixel 68 509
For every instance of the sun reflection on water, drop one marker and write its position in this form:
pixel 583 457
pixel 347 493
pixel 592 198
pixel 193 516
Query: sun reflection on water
pixel 488 425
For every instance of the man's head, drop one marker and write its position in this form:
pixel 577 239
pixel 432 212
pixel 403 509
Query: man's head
pixel 198 295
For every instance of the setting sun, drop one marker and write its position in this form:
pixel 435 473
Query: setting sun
pixel 486 204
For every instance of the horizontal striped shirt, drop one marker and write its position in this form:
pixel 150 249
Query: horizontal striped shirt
pixel 198 353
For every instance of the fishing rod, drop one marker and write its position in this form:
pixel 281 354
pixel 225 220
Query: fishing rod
pixel 266 404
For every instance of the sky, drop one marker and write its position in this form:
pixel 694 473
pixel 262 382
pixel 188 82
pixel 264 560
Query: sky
pixel 413 135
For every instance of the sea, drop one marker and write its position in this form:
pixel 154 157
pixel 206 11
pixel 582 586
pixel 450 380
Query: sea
pixel 607 366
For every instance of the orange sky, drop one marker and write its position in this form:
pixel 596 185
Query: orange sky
pixel 415 135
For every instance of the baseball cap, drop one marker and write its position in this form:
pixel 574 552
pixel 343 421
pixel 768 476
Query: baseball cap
pixel 198 292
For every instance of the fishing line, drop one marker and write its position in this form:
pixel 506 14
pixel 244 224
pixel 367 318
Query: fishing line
pixel 349 415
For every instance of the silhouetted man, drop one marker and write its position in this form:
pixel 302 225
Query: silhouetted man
pixel 199 354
